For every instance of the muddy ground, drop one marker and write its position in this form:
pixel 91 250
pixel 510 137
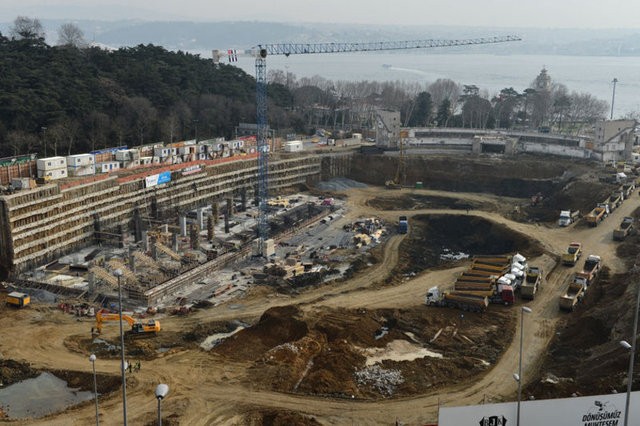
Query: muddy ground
pixel 562 184
pixel 323 353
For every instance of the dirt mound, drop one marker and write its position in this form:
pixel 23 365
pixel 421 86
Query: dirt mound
pixel 369 354
pixel 13 371
pixel 276 326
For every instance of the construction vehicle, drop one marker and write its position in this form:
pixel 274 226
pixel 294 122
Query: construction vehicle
pixel 590 271
pixel 403 225
pixel 459 300
pixel 149 328
pixel 574 252
pixel 596 215
pixel 628 188
pixel 18 300
pixel 567 217
pixel 615 199
pixel 573 296
pixel 532 281
pixel 625 228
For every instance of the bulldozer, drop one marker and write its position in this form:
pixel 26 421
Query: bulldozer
pixel 138 329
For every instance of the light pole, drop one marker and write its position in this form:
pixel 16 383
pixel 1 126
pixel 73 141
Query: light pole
pixel 613 98
pixel 161 391
pixel 92 358
pixel 632 348
pixel 118 273
pixel 518 376
pixel 44 139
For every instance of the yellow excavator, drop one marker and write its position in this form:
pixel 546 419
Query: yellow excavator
pixel 138 329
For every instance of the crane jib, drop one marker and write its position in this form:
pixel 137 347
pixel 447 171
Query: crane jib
pixel 314 48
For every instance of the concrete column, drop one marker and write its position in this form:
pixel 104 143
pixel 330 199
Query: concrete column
pixel 215 212
pixel 165 228
pixel 194 232
pixel 132 258
pixel 137 225
pixel 243 196
pixel 183 226
pixel 230 206
pixel 145 241
pixel 210 229
pixel 476 146
pixel 200 216
pixel 174 242
pixel 92 283
pixel 121 236
pixel 154 249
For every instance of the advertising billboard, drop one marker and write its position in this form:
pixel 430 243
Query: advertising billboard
pixel 599 410
pixel 157 179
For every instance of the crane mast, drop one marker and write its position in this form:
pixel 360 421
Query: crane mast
pixel 261 52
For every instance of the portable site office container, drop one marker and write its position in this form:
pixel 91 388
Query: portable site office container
pixel 80 160
pixel 51 163
pixel 146 160
pixel 293 146
pixel 161 152
pixel 107 167
pixel 53 174
pixel 82 170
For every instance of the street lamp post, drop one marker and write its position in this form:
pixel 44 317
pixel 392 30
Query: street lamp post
pixel 118 273
pixel 613 97
pixel 632 348
pixel 518 377
pixel 161 391
pixel 92 358
pixel 44 139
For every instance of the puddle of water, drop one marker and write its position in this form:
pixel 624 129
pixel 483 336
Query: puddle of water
pixel 398 350
pixel 213 340
pixel 39 396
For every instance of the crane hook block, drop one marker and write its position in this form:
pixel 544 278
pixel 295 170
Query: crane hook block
pixel 263 53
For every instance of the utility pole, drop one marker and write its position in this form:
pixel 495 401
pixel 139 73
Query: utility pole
pixel 613 98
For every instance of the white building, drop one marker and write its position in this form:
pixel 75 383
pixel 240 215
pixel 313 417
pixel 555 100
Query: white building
pixel 614 140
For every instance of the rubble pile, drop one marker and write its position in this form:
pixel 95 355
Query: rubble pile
pixel 383 380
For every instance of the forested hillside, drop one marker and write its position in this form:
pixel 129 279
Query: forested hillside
pixel 80 99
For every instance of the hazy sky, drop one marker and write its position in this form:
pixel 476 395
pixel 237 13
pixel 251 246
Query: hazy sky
pixel 495 13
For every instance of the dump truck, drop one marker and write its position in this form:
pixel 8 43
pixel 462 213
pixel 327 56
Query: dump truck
pixel 18 300
pixel 532 282
pixel 573 296
pixel 403 225
pixel 138 329
pixel 625 228
pixel 596 215
pixel 590 270
pixel 628 188
pixel 615 200
pixel 574 251
pixel 459 300
pixel 567 217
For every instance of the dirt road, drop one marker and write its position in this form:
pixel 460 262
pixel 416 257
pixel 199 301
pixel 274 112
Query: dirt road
pixel 207 390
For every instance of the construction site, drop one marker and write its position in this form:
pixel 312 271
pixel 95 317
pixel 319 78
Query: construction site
pixel 333 322
pixel 349 283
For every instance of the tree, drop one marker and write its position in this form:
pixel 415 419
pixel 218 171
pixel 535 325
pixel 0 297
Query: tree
pixel 442 89
pixel 422 111
pixel 26 28
pixel 71 35
pixel 444 113
pixel 505 104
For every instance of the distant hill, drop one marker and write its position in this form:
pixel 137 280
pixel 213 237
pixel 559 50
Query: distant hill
pixel 202 37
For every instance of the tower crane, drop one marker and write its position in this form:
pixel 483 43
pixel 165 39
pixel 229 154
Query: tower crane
pixel 260 53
